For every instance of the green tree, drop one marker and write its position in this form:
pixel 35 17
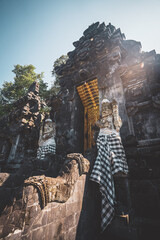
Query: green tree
pixel 55 86
pixel 61 60
pixel 12 91
pixel 24 77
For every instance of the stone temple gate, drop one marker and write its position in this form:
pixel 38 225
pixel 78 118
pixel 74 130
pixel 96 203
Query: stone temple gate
pixel 103 64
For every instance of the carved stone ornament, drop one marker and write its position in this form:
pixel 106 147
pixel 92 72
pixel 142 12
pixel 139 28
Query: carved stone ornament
pixel 60 189
pixel 88 71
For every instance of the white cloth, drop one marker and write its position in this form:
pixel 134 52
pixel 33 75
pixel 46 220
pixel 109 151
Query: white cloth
pixel 108 131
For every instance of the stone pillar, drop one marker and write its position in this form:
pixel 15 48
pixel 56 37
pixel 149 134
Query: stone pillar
pixel 13 148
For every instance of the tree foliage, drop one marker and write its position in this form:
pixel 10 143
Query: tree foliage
pixel 55 86
pixel 59 61
pixel 12 91
pixel 24 77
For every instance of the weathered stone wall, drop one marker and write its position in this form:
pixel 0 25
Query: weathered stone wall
pixel 70 124
pixel 22 216
pixel 26 220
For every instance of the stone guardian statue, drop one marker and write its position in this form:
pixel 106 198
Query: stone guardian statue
pixel 47 142
pixel 111 159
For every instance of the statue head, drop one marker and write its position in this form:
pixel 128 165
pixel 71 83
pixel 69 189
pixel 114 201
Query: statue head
pixel 48 126
pixel 106 108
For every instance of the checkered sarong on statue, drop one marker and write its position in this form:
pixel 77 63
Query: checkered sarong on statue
pixel 110 160
pixel 43 150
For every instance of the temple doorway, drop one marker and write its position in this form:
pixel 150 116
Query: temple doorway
pixel 89 95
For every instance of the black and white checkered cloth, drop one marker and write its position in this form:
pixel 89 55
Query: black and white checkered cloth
pixel 110 160
pixel 43 150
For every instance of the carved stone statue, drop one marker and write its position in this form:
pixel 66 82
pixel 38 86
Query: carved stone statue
pixel 111 159
pixel 110 121
pixel 47 142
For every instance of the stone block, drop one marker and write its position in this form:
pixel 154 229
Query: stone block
pixel 69 222
pixel 28 226
pixel 28 191
pixel 61 237
pixel 40 233
pixel 44 217
pixel 51 212
pixel 30 195
pixel 80 184
pixel 9 228
pixel 78 196
pixel 27 236
pixel 77 186
pixel 18 205
pixel 72 208
pixel 3 219
pixel 55 230
pixel 33 218
pixel 71 199
pixel 34 211
pixel 71 234
pixel 31 201
pixel 60 212
pixel 35 196
pixel 15 218
pixel 37 222
pixel 76 218
pixel 15 236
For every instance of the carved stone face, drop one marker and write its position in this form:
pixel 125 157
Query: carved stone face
pixel 48 133
pixel 49 126
pixel 106 109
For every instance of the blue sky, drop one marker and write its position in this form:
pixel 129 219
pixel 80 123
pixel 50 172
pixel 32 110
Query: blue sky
pixel 39 31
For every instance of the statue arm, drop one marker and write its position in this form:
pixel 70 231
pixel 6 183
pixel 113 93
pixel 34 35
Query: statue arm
pixel 100 123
